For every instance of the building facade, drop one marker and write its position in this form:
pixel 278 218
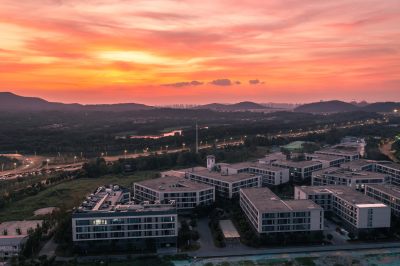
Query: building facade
pixel 186 194
pixel 357 211
pixel 343 177
pixel 271 175
pixel 326 160
pixel 226 186
pixel 348 153
pixel 299 170
pixel 267 213
pixel 108 218
pixel 11 246
pixel 390 168
pixel 387 194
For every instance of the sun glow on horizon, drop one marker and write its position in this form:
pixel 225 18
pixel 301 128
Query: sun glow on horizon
pixel 196 52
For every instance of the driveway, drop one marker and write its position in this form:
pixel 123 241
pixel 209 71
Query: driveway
pixel 338 239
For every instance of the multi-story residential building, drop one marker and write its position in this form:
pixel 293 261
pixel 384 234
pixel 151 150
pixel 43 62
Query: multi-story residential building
pixel 226 186
pixel 326 160
pixel 340 176
pixel 299 170
pixel 267 213
pixel 387 194
pixel 349 153
pixel 109 217
pixel 390 168
pixel 186 194
pixel 271 175
pixel 358 211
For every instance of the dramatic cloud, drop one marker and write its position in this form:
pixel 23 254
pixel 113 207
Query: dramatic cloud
pixel 254 81
pixel 184 84
pixel 221 82
pixel 110 51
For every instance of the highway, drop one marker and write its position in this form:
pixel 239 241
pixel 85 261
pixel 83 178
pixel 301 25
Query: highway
pixel 34 164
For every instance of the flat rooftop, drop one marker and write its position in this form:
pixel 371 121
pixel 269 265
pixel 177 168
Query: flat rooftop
pixel 339 150
pixel 296 164
pixel 116 199
pixel 344 173
pixel 266 201
pixel 391 190
pixel 24 226
pixel 184 170
pixel 325 157
pixel 105 198
pixel 357 164
pixel 127 209
pixel 255 165
pixel 390 164
pixel 173 184
pixel 221 177
pixel 344 192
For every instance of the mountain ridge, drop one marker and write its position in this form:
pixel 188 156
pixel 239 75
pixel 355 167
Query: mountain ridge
pixel 13 102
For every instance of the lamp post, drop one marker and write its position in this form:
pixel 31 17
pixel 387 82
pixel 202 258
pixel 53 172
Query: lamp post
pixel 125 152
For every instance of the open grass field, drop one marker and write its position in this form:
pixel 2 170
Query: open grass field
pixel 65 195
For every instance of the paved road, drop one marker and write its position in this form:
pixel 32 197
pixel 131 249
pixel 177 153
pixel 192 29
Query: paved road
pixel 344 257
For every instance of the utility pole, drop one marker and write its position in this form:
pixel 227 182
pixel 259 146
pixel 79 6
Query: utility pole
pixel 197 139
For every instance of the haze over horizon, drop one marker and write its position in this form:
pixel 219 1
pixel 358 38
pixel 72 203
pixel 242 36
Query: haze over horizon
pixel 190 52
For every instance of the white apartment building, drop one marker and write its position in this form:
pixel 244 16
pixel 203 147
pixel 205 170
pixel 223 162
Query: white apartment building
pixel 299 170
pixel 387 194
pixel 186 194
pixel 108 216
pixel 340 176
pixel 267 213
pixel 356 210
pixel 271 175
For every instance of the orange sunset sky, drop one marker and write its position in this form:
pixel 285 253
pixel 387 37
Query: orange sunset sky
pixel 191 51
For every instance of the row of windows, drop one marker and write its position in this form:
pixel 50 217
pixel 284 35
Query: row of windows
pixel 124 227
pixel 125 234
pixel 164 219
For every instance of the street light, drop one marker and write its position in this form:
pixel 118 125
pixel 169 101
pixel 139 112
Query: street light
pixel 125 152
pixel 74 158
pixel 47 165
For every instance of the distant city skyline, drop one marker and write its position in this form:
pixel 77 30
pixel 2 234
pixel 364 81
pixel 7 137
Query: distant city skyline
pixel 196 52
